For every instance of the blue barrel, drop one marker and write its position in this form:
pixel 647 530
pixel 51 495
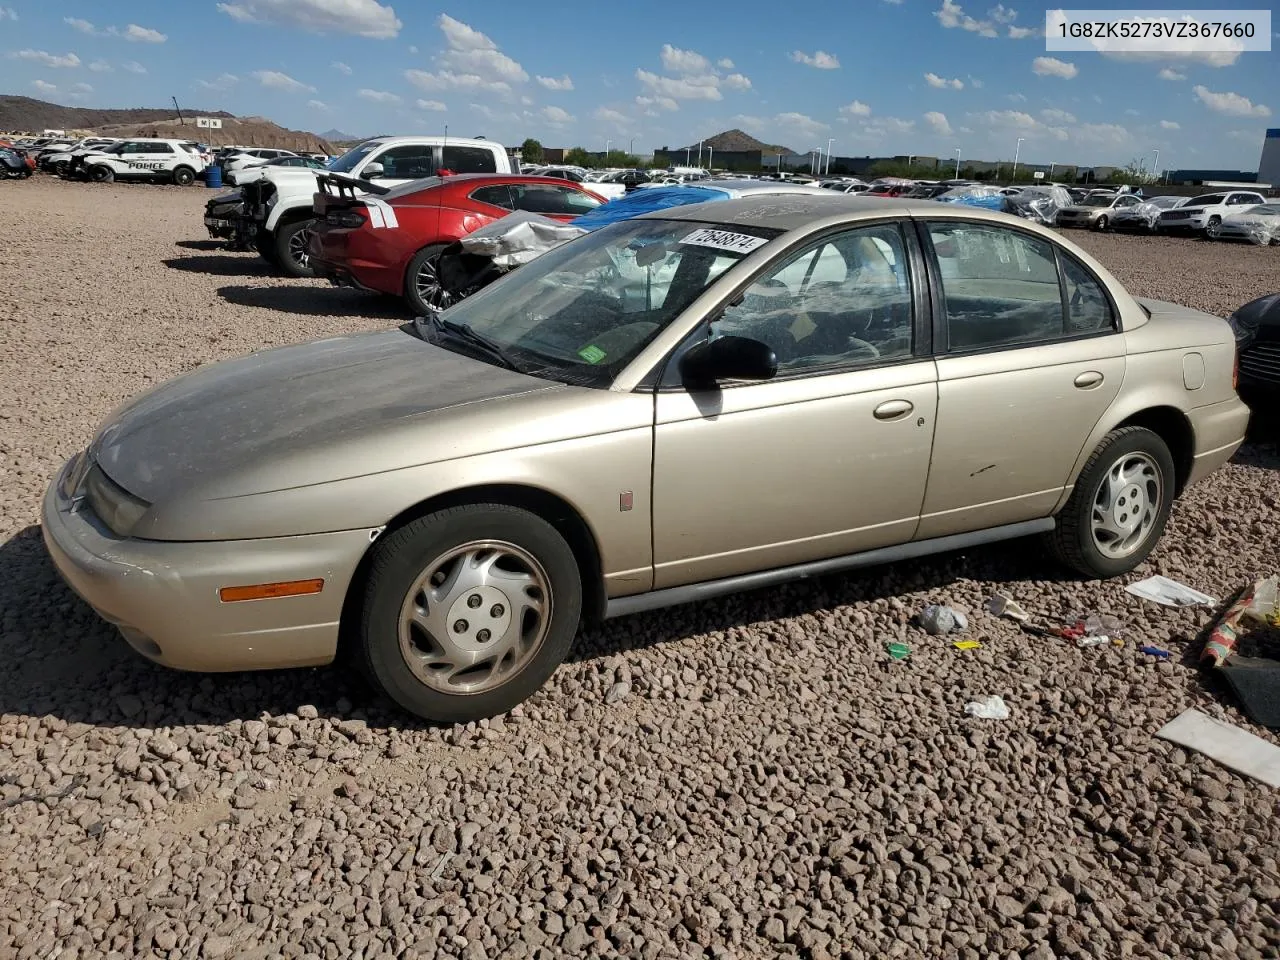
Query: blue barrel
pixel 213 176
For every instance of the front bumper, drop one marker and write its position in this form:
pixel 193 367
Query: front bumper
pixel 1193 224
pixel 163 596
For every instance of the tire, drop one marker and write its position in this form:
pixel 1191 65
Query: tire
pixel 101 174
pixel 1213 229
pixel 398 624
pixel 416 287
pixel 59 169
pixel 1102 223
pixel 184 176
pixel 265 244
pixel 1141 460
pixel 290 249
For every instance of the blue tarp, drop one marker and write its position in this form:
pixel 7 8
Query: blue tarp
pixel 645 201
pixel 987 203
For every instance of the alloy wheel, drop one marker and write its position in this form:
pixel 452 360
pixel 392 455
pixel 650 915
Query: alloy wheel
pixel 428 286
pixel 298 248
pixel 1126 505
pixel 475 617
pixel 1213 228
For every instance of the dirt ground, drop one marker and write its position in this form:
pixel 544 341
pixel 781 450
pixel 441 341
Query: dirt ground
pixel 770 783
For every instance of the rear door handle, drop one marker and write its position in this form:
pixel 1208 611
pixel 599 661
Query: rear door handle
pixel 1088 379
pixel 893 409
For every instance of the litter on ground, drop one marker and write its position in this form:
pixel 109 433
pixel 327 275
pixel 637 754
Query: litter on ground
pixel 1232 747
pixel 988 708
pixel 1171 593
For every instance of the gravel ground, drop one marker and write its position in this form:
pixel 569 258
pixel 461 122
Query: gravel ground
pixel 753 777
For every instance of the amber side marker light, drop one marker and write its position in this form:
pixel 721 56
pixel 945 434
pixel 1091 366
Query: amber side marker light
pixel 269 591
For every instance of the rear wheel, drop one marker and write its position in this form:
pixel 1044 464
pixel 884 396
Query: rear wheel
pixel 1119 506
pixel 291 248
pixel 184 176
pixel 1102 223
pixel 101 174
pixel 422 290
pixel 468 611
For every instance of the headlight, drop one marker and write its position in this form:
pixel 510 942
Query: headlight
pixel 118 509
pixel 72 474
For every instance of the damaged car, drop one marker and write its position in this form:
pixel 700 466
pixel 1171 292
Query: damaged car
pixel 1096 210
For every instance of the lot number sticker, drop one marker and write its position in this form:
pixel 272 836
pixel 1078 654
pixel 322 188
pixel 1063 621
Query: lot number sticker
pixel 724 240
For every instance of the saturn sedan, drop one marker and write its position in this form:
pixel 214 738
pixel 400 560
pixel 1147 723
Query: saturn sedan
pixel 825 383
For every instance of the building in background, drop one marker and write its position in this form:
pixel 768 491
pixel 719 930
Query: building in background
pixel 1269 165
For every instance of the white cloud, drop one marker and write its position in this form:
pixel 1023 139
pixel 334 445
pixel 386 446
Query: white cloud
pixel 938 123
pixel 446 80
pixel 1021 33
pixel 81 88
pixel 377 96
pixel 818 59
pixel 1053 67
pixel 8 13
pixel 736 81
pixel 896 3
pixel 224 81
pixel 856 108
pixel 724 63
pixel 1170 125
pixel 952 15
pixel 552 83
pixel 100 66
pixel 648 105
pixel 1232 104
pixel 137 34
pixel 133 66
pixel 413 49
pixel 341 67
pixel 472 52
pixel 782 125
pixel 275 80
pixel 556 116
pixel 976 83
pixel 318 105
pixel 701 87
pixel 800 123
pixel 84 26
pixel 1015 119
pixel 683 61
pixel 435 106
pixel 942 82
pixel 47 59
pixel 609 115
pixel 1054 115
pixel 1103 134
pixel 1168 73
pixel 1002 14
pixel 44 87
pixel 361 18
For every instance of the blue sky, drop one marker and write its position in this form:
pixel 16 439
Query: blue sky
pixel 876 76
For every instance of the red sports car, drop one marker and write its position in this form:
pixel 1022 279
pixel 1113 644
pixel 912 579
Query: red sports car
pixel 387 242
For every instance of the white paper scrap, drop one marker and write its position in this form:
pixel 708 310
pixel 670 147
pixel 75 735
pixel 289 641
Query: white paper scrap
pixel 1171 593
pixel 1231 746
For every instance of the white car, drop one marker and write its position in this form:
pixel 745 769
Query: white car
pixel 256 171
pixel 252 157
pixel 172 161
pixel 1259 224
pixel 278 205
pixel 1145 215
pixel 1207 211
pixel 58 161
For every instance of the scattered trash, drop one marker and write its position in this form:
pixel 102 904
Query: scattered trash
pixel 1088 641
pixel 988 708
pixel 1254 678
pixel 1102 625
pixel 1170 593
pixel 965 644
pixel 1264 608
pixel 1232 747
pixel 899 651
pixel 937 619
pixel 1155 652
pixel 1003 605
pixel 1225 632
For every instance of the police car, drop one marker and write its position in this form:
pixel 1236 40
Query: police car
pixel 170 161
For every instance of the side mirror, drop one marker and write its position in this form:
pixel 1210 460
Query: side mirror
pixel 728 358
pixel 372 170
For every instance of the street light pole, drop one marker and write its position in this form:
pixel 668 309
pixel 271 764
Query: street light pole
pixel 1016 153
pixel 699 153
pixel 830 141
pixel 711 152
pixel 631 149
pixel 1155 166
pixel 957 163
pixel 607 144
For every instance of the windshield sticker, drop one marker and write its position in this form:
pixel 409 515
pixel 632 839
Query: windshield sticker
pixel 724 240
pixel 592 354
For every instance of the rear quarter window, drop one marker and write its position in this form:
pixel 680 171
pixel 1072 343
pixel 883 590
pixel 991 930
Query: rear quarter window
pixel 469 160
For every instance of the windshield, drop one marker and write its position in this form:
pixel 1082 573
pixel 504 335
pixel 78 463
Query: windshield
pixel 351 159
pixel 1097 201
pixel 583 311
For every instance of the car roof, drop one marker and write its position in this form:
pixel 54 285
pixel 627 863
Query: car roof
pixel 432 138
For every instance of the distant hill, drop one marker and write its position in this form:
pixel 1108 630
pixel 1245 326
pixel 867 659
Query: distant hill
pixel 736 141
pixel 30 115
pixel 337 136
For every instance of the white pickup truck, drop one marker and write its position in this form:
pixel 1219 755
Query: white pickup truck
pixel 276 210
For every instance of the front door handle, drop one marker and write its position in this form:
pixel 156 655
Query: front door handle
pixel 1088 379
pixel 893 409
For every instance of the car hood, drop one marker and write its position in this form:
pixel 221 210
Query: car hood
pixel 292 416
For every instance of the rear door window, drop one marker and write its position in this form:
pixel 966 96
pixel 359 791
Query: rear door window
pixel 550 199
pixel 410 162
pixel 469 160
pixel 496 196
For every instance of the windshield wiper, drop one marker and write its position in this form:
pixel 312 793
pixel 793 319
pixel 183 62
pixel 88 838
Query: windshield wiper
pixel 461 331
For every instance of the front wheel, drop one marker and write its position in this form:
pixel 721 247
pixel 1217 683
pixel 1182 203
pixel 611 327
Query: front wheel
pixel 1119 506
pixel 291 249
pixel 101 174
pixel 468 611
pixel 422 290
pixel 1102 223
pixel 1213 229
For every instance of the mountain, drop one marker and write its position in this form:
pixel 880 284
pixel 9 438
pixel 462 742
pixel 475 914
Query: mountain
pixel 337 136
pixel 736 141
pixel 32 116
